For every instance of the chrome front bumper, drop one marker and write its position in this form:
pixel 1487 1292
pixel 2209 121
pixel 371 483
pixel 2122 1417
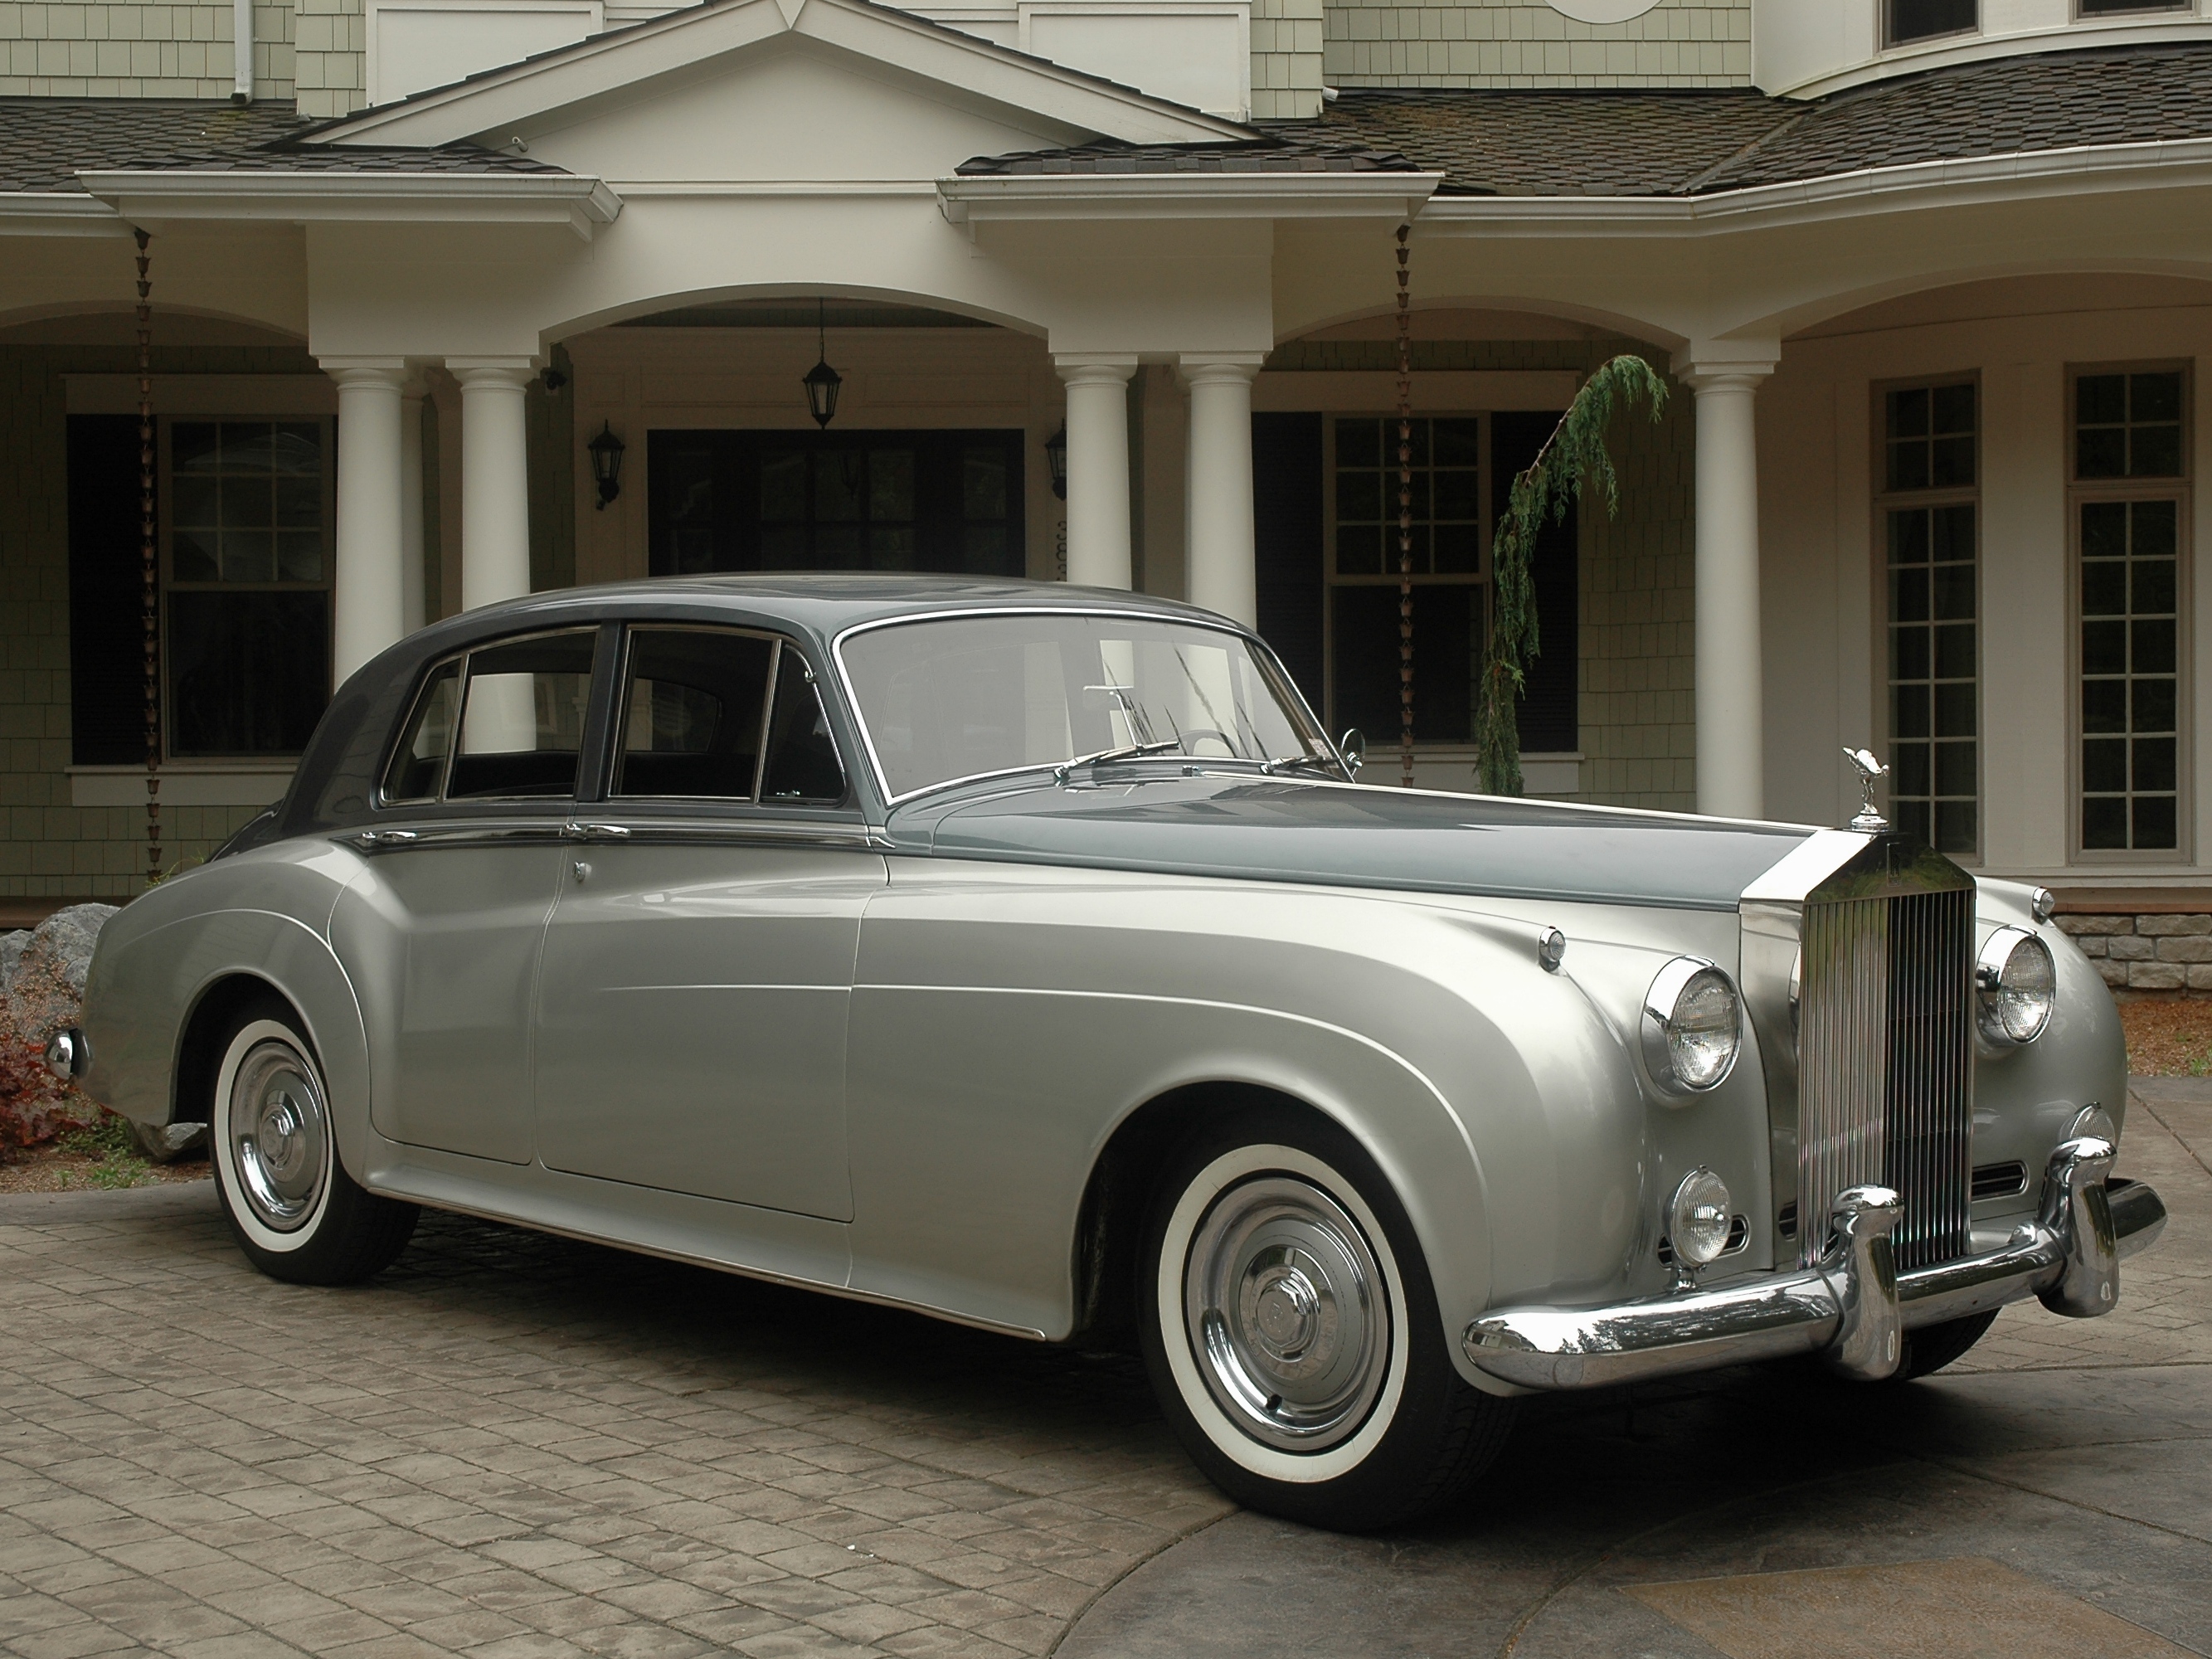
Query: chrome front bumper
pixel 1854 1307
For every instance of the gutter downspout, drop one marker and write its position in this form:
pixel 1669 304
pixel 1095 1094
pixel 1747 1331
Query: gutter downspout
pixel 241 34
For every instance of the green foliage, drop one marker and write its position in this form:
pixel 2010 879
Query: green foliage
pixel 109 1141
pixel 1574 452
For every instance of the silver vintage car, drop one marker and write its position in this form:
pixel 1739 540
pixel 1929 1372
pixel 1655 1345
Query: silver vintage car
pixel 1028 956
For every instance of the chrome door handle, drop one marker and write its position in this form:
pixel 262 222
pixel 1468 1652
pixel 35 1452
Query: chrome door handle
pixel 597 832
pixel 369 839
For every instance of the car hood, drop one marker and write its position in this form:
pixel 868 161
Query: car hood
pixel 1341 835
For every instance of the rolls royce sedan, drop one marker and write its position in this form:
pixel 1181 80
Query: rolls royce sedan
pixel 1028 956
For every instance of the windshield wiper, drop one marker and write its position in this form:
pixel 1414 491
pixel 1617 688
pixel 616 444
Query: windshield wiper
pixel 1132 751
pixel 1295 762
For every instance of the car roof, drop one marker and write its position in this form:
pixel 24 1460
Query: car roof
pixel 823 602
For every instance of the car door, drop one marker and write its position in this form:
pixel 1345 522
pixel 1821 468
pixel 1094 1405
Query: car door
pixel 465 863
pixel 698 968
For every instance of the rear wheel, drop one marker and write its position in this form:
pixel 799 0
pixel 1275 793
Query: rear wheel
pixel 1291 1330
pixel 1934 1347
pixel 291 1206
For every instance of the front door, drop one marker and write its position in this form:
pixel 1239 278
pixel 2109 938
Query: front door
pixel 463 882
pixel 698 970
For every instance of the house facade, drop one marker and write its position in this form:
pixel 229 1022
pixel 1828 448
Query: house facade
pixel 1109 291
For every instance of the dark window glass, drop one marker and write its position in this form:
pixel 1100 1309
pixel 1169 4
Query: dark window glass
pixel 1933 658
pixel 522 718
pixel 802 755
pixel 1448 624
pixel 249 672
pixel 948 501
pixel 246 603
pixel 691 713
pixel 2130 657
pixel 1929 436
pixel 418 764
pixel 2128 426
pixel 1921 20
pixel 2115 8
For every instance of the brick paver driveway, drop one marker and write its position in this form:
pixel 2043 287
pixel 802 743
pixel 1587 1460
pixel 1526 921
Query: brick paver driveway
pixel 514 1445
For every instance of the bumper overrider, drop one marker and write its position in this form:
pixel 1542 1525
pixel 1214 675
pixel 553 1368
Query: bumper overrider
pixel 1853 1308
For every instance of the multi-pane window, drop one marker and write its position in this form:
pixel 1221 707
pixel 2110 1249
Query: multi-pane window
pixel 2130 507
pixel 246 600
pixel 1450 600
pixel 1924 20
pixel 1930 512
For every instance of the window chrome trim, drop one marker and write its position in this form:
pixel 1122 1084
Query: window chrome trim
pixel 617 734
pixel 377 799
pixel 867 737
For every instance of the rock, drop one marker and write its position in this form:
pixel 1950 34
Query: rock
pixel 63 942
pixel 12 946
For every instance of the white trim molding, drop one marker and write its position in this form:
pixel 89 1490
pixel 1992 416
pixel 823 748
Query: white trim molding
pixel 512 99
pixel 220 783
pixel 203 394
pixel 1047 197
pixel 2092 169
pixel 576 200
pixel 58 213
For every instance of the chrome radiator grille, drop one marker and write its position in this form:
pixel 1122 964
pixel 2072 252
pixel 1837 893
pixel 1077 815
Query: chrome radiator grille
pixel 1885 1065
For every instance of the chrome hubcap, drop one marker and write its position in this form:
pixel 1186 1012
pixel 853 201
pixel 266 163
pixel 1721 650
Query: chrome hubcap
pixel 1286 1314
pixel 280 1136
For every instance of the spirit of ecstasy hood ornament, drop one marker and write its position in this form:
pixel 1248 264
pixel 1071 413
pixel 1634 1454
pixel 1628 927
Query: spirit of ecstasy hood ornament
pixel 1870 769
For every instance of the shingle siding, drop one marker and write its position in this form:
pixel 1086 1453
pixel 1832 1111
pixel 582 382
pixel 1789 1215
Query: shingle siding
pixel 119 49
pixel 1513 43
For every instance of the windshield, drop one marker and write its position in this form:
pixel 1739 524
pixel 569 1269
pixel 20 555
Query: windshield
pixel 965 696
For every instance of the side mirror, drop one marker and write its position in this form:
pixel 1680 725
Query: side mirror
pixel 1352 745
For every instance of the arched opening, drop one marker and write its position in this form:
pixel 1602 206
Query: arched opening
pixel 931 456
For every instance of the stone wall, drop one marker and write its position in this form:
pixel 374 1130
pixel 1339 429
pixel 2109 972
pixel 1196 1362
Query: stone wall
pixel 1515 43
pixel 1636 669
pixel 127 49
pixel 2146 952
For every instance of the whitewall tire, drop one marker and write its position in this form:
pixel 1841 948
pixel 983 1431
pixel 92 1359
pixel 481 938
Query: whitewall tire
pixel 272 1139
pixel 1293 1334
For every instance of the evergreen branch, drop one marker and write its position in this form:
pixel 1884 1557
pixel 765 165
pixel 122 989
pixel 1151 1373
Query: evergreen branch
pixel 1574 452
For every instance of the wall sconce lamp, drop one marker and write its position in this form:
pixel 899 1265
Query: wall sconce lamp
pixel 606 464
pixel 822 381
pixel 1055 457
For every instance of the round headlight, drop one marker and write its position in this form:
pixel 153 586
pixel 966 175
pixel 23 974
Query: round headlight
pixel 1698 1218
pixel 2016 986
pixel 1691 1026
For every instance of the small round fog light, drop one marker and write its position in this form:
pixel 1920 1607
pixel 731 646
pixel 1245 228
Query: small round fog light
pixel 2016 986
pixel 1698 1219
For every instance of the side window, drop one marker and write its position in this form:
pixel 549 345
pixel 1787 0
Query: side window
pixel 691 713
pixel 418 765
pixel 802 756
pixel 522 718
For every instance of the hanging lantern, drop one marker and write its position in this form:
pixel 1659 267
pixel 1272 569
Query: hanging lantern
pixel 607 452
pixel 822 381
pixel 1055 457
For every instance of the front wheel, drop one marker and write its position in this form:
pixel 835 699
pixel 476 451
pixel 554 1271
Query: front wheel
pixel 291 1206
pixel 1291 1332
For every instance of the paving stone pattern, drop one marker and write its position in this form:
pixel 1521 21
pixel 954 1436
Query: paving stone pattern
pixel 517 1447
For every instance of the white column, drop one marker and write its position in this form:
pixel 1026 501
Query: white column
pixel 414 604
pixel 495 478
pixel 1730 689
pixel 1097 468
pixel 365 605
pixel 1220 556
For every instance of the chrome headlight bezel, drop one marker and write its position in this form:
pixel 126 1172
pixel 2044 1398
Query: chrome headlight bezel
pixel 1667 1021
pixel 2009 963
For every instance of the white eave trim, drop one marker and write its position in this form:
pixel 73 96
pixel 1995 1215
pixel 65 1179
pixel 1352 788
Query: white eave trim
pixel 512 99
pixel 576 200
pixel 2096 169
pixel 58 213
pixel 1044 197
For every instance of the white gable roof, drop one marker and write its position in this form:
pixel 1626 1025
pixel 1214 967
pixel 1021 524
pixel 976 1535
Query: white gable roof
pixel 632 68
